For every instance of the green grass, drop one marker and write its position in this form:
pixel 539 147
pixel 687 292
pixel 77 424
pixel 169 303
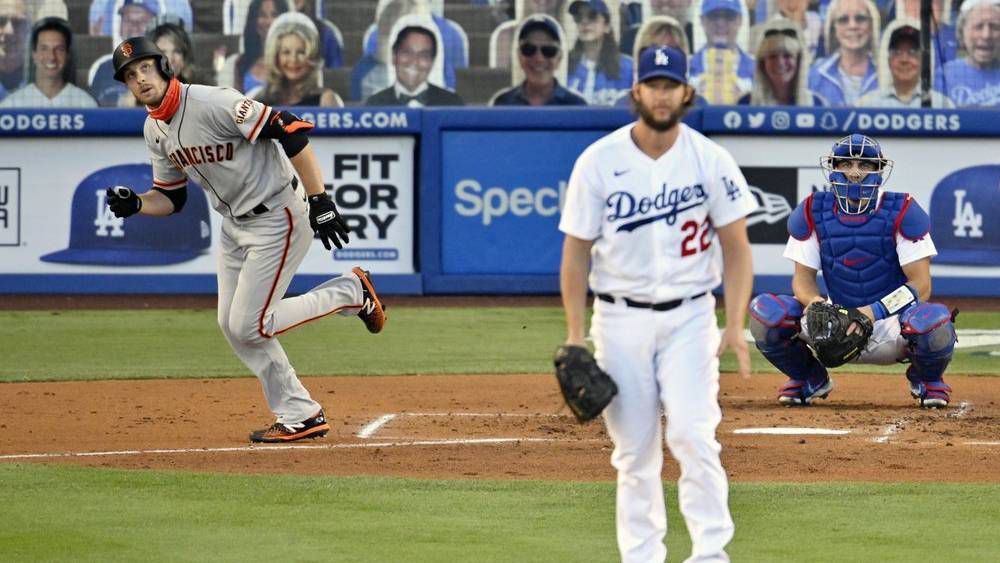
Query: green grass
pixel 81 514
pixel 40 346
pixel 68 513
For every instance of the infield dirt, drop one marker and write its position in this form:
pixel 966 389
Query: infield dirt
pixel 202 425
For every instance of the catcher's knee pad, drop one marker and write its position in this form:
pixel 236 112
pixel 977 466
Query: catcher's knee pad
pixel 930 337
pixel 774 318
pixel 774 324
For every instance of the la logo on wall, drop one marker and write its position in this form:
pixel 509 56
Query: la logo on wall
pixel 107 224
pixel 967 222
pixel 98 238
pixel 959 203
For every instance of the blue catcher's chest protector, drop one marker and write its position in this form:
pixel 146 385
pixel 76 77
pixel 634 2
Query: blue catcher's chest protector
pixel 858 252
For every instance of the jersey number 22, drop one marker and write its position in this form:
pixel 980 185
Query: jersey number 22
pixel 688 245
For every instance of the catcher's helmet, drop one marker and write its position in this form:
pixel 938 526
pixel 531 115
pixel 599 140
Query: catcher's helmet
pixel 136 48
pixel 855 198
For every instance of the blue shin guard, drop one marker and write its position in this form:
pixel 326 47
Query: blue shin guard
pixel 774 323
pixel 930 335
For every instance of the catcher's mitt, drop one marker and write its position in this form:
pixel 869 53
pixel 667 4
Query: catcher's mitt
pixel 827 325
pixel 585 386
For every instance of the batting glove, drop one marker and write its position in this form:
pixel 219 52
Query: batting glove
pixel 123 201
pixel 326 221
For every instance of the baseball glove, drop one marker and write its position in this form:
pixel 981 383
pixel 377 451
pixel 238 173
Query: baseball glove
pixel 584 385
pixel 827 325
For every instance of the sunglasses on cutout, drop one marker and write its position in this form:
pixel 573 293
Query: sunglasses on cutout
pixel 548 51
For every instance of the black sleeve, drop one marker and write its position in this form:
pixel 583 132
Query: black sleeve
pixel 289 130
pixel 177 196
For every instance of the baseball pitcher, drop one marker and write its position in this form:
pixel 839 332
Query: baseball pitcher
pixel 657 212
pixel 225 140
pixel 874 249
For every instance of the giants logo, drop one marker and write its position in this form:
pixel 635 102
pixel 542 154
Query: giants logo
pixel 127 49
pixel 243 110
pixel 189 156
pixel 107 224
pixel 967 222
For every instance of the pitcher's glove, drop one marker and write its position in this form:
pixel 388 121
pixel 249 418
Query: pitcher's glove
pixel 827 325
pixel 585 386
pixel 326 221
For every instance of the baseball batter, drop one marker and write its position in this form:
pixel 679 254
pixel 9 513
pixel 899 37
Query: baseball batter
pixel 874 249
pixel 227 142
pixel 656 209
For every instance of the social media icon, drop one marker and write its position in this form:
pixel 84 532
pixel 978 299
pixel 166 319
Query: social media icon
pixel 732 120
pixel 828 121
pixel 780 120
pixel 756 120
pixel 805 120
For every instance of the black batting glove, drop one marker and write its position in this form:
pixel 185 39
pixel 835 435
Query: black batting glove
pixel 123 201
pixel 326 221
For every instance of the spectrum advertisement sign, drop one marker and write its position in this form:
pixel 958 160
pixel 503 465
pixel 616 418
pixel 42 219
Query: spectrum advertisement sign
pixel 501 196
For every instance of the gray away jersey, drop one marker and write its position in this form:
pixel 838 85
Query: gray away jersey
pixel 213 139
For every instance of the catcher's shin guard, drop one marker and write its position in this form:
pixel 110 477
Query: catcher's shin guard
pixel 774 324
pixel 930 335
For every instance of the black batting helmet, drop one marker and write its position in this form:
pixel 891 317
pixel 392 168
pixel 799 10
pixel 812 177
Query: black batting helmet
pixel 137 48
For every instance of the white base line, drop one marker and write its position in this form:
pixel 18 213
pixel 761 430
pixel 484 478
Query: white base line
pixel 369 430
pixel 982 443
pixel 280 447
pixel 373 426
pixel 491 414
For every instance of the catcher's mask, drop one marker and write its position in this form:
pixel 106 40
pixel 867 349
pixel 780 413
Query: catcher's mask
pixel 855 198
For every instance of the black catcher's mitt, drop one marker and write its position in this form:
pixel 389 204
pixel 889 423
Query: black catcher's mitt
pixel 585 386
pixel 827 325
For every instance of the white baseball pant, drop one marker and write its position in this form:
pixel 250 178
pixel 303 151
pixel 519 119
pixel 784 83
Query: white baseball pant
pixel 258 258
pixel 664 360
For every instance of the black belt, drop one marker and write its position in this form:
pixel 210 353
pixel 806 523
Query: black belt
pixel 662 306
pixel 261 208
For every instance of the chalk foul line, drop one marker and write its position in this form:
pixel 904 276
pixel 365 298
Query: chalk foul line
pixel 286 447
pixel 372 427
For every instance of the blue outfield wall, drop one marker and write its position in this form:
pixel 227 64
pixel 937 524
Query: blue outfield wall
pixel 490 183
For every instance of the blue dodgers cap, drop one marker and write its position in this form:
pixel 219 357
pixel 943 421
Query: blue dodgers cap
pixel 98 237
pixel 539 22
pixel 964 208
pixel 597 5
pixel 709 6
pixel 151 5
pixel 662 62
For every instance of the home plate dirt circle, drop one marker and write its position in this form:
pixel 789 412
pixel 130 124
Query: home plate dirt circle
pixel 496 427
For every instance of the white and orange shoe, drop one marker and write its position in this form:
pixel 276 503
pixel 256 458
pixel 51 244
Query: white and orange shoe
pixel 372 312
pixel 280 432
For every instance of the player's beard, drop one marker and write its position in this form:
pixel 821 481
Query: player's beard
pixel 658 125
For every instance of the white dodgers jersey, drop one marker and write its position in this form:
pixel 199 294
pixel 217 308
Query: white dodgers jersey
pixel 653 221
pixel 213 138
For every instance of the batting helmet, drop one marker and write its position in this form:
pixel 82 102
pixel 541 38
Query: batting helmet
pixel 137 48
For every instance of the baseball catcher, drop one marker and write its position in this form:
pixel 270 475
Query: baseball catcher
pixel 874 249
pixel 584 385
